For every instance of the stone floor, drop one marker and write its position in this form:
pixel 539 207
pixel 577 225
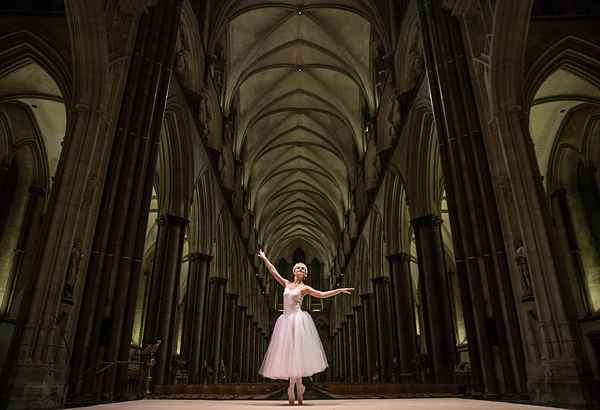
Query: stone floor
pixel 357 404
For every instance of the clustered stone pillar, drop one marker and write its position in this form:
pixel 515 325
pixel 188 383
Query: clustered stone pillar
pixel 351 348
pixel 481 261
pixel 162 295
pixel 383 328
pixel 563 214
pixel 106 318
pixel 435 295
pixel 345 351
pixel 371 348
pixel 229 335
pixel 404 315
pixel 360 348
pixel 229 345
pixel 214 329
pixel 337 356
pixel 248 346
pixel 590 196
pixel 16 281
pixel 195 314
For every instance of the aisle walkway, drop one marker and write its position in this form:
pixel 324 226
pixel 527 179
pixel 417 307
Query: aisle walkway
pixel 352 404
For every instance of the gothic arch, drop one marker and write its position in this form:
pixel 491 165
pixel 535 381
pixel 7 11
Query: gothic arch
pixel 175 162
pixel 202 215
pixel 23 48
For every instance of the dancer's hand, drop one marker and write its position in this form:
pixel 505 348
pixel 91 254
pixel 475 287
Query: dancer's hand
pixel 347 291
pixel 261 254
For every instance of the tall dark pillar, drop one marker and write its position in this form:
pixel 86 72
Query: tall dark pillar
pixel 560 198
pixel 162 296
pixel 15 280
pixel 344 346
pixel 360 345
pixel 477 238
pixel 214 334
pixel 252 353
pixel 404 314
pixel 105 324
pixel 247 347
pixel 383 327
pixel 371 354
pixel 195 314
pixel 336 355
pixel 351 348
pixel 340 344
pixel 590 196
pixel 241 343
pixel 435 296
pixel 230 334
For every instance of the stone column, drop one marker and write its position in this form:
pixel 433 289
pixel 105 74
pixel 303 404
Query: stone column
pixel 241 342
pixel 590 196
pixel 340 353
pixel 481 261
pixel 336 356
pixel 247 347
pixel 404 314
pixel 566 222
pixel 216 302
pixel 368 326
pixel 195 314
pixel 359 340
pixel 162 296
pixel 15 280
pixel 105 321
pixel 252 351
pixel 344 351
pixel 351 348
pixel 230 334
pixel 435 296
pixel 383 327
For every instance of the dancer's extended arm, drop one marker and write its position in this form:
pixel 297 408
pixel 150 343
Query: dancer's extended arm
pixel 328 293
pixel 272 269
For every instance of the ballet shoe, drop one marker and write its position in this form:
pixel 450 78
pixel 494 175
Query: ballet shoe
pixel 301 389
pixel 291 397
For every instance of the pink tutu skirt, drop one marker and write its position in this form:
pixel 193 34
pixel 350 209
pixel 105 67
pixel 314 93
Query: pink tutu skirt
pixel 295 349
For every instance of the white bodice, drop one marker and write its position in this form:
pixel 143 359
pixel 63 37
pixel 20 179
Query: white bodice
pixel 292 300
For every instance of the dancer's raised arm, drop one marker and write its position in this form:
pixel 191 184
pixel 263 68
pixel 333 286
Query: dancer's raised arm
pixel 326 294
pixel 272 269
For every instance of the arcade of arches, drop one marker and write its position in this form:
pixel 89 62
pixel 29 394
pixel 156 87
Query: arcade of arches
pixel 441 157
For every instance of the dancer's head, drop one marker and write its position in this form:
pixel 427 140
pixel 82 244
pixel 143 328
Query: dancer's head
pixel 300 271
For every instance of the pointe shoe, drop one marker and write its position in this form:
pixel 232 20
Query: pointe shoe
pixel 301 389
pixel 291 397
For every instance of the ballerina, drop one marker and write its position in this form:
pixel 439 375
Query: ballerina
pixel 295 350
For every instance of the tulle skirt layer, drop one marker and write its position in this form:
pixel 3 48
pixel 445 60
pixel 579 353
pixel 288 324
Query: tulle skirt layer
pixel 295 349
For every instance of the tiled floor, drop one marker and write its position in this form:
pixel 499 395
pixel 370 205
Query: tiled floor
pixel 355 404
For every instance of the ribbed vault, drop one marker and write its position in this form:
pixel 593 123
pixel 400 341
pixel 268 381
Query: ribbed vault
pixel 299 89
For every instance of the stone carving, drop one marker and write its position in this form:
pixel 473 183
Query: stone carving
pixel 521 258
pixel 72 271
pixel 204 116
pixel 149 362
pixel 226 163
pixel 217 69
pixel 394 119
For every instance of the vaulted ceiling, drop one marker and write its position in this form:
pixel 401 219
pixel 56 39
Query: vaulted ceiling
pixel 300 85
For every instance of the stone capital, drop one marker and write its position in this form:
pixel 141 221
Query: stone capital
pixel 426 220
pixel 380 279
pixel 173 220
pixel 199 256
pixel 399 257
